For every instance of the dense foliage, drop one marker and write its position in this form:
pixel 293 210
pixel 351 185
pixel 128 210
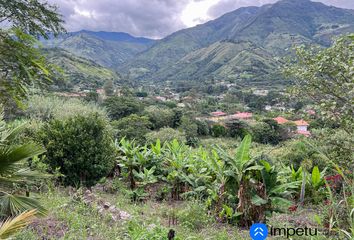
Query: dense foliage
pixel 80 147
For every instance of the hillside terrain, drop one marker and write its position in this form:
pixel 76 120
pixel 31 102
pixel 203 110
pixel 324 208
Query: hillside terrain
pixel 78 72
pixel 105 48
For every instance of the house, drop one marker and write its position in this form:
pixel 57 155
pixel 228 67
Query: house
pixel 242 115
pixel 301 125
pixel 280 120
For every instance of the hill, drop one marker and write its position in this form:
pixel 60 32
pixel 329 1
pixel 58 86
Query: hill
pixel 224 60
pixel 105 48
pixel 79 72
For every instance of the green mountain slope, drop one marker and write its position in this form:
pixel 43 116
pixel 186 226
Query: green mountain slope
pixel 224 60
pixel 108 53
pixel 79 73
pixel 274 28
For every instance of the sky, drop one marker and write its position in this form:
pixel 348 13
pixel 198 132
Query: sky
pixel 152 18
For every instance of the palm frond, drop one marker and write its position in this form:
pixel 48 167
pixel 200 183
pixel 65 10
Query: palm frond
pixel 11 205
pixel 13 225
pixel 10 155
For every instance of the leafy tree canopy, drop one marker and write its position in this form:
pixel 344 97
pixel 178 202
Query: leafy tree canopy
pixel 22 64
pixel 327 77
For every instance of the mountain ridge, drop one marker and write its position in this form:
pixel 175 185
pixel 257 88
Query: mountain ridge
pixel 274 27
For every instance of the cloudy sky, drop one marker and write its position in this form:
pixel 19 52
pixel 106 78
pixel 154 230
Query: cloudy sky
pixel 152 18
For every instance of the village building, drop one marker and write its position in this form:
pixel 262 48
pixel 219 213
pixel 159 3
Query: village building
pixel 301 125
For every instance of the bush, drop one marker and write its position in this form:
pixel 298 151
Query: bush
pixel 165 135
pixel 81 147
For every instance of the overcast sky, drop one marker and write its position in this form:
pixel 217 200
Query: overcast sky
pixel 152 18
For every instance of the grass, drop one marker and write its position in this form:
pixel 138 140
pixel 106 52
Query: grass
pixel 72 219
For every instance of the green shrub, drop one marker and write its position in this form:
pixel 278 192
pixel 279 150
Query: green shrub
pixel 218 131
pixel 80 146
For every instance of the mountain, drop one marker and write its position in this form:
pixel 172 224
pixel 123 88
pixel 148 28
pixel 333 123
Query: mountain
pixel 224 60
pixel 79 72
pixel 199 52
pixel 108 49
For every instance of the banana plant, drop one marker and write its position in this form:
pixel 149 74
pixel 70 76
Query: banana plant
pixel 178 158
pixel 128 158
pixel 220 177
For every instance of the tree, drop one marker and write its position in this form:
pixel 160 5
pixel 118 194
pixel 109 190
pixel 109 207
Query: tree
pixel 22 65
pixel 119 107
pixel 32 16
pixel 237 128
pixel 81 147
pixel 190 129
pixel 159 117
pixel 258 188
pixel 132 127
pixel 327 77
pixel 108 87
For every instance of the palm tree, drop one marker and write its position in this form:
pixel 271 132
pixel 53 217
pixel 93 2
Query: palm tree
pixel 12 171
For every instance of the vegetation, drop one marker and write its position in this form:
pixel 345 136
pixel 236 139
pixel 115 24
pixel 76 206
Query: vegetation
pixel 205 159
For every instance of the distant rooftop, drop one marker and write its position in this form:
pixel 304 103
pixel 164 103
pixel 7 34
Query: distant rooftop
pixel 281 120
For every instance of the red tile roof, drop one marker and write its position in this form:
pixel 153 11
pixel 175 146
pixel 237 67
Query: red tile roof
pixel 281 120
pixel 301 123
